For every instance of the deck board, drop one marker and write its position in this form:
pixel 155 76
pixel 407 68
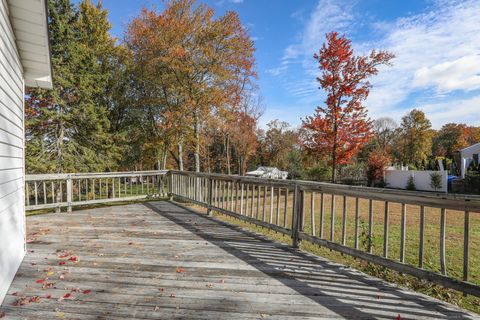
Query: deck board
pixel 161 261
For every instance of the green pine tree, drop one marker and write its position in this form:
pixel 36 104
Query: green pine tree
pixel 68 127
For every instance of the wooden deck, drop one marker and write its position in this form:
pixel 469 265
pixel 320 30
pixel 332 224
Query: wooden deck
pixel 161 261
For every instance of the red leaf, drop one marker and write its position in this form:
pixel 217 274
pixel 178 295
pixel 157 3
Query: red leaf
pixel 61 263
pixel 48 296
pixel 63 255
pixel 15 294
pixel 130 243
pixel 66 295
pixel 398 317
pixel 87 291
pixel 40 281
pixel 180 270
pixel 2 314
pixel 73 258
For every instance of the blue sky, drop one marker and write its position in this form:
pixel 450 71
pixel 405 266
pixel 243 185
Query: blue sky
pixel 437 44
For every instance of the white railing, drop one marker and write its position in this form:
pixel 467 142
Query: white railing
pixel 44 191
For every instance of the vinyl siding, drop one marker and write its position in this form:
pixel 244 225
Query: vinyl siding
pixel 12 217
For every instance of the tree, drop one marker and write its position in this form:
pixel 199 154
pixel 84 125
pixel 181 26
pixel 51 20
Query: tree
pixel 414 144
pixel 194 63
pixel 278 143
pixel 67 128
pixel 341 128
pixel 377 163
pixel 384 133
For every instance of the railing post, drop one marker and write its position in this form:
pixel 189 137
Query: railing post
pixel 297 215
pixel 210 196
pixel 170 185
pixel 69 193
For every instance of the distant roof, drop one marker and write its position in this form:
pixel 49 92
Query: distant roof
pixel 475 146
pixel 29 19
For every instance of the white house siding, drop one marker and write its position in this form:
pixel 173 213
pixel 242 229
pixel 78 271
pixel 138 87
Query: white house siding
pixel 12 217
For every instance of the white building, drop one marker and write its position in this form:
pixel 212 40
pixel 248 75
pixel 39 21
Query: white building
pixel 24 61
pixel 268 173
pixel 466 157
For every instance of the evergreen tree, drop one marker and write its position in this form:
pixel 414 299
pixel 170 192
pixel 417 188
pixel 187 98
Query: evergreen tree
pixel 67 128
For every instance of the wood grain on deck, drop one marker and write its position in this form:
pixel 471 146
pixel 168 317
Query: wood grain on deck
pixel 161 261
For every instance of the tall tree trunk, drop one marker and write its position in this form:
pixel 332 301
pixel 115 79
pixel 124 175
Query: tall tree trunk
pixel 196 132
pixel 180 155
pixel 227 149
pixel 334 154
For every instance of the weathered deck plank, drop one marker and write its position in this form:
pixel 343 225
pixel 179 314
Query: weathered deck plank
pixel 161 261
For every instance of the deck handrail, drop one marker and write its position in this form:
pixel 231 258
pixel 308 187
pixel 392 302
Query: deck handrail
pixel 289 207
pixel 67 190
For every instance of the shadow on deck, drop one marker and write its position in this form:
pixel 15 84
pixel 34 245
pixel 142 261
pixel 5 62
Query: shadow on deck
pixel 161 261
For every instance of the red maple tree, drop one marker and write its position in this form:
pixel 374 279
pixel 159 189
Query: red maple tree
pixel 340 128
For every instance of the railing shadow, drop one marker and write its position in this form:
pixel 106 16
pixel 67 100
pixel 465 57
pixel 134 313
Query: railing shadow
pixel 345 292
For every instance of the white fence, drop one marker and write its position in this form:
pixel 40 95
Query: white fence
pixel 422 179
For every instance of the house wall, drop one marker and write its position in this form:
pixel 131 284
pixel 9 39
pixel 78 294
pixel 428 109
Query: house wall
pixel 12 217
pixel 398 179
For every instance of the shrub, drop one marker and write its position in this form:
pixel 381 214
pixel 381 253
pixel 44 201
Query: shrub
pixel 410 184
pixel 319 172
pixel 435 180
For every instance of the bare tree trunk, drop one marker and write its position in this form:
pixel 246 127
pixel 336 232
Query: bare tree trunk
pixel 180 155
pixel 196 132
pixel 227 149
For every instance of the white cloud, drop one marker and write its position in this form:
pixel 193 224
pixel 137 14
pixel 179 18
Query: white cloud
pixel 461 74
pixel 437 58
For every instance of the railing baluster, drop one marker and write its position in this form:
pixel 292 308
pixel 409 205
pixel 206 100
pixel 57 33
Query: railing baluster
pixel 344 221
pixel 357 221
pixel 279 193
pixel 253 202
pixel 272 195
pixel 44 192
pixel 302 214
pixel 242 187
pixel 443 267
pixel 237 185
pixel 285 215
pixel 422 237
pixel 322 215
pixel 466 241
pixel 370 225
pixel 36 193
pixel 403 233
pixel 257 212
pixel 312 213
pixel 385 230
pixel 332 221
pixel 264 203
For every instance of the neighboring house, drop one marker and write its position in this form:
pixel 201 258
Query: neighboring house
pixel 466 157
pixel 24 61
pixel 268 173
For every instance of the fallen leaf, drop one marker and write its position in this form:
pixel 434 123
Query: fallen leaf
pixel 222 281
pixel 130 243
pixel 15 294
pixel 73 258
pixel 50 273
pixel 61 263
pixel 398 317
pixel 172 295
pixel 60 315
pixel 62 276
pixel 209 285
pixel 40 281
pixel 48 296
pixel 31 240
pixel 2 314
pixel 87 291
pixel 180 270
pixel 156 308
